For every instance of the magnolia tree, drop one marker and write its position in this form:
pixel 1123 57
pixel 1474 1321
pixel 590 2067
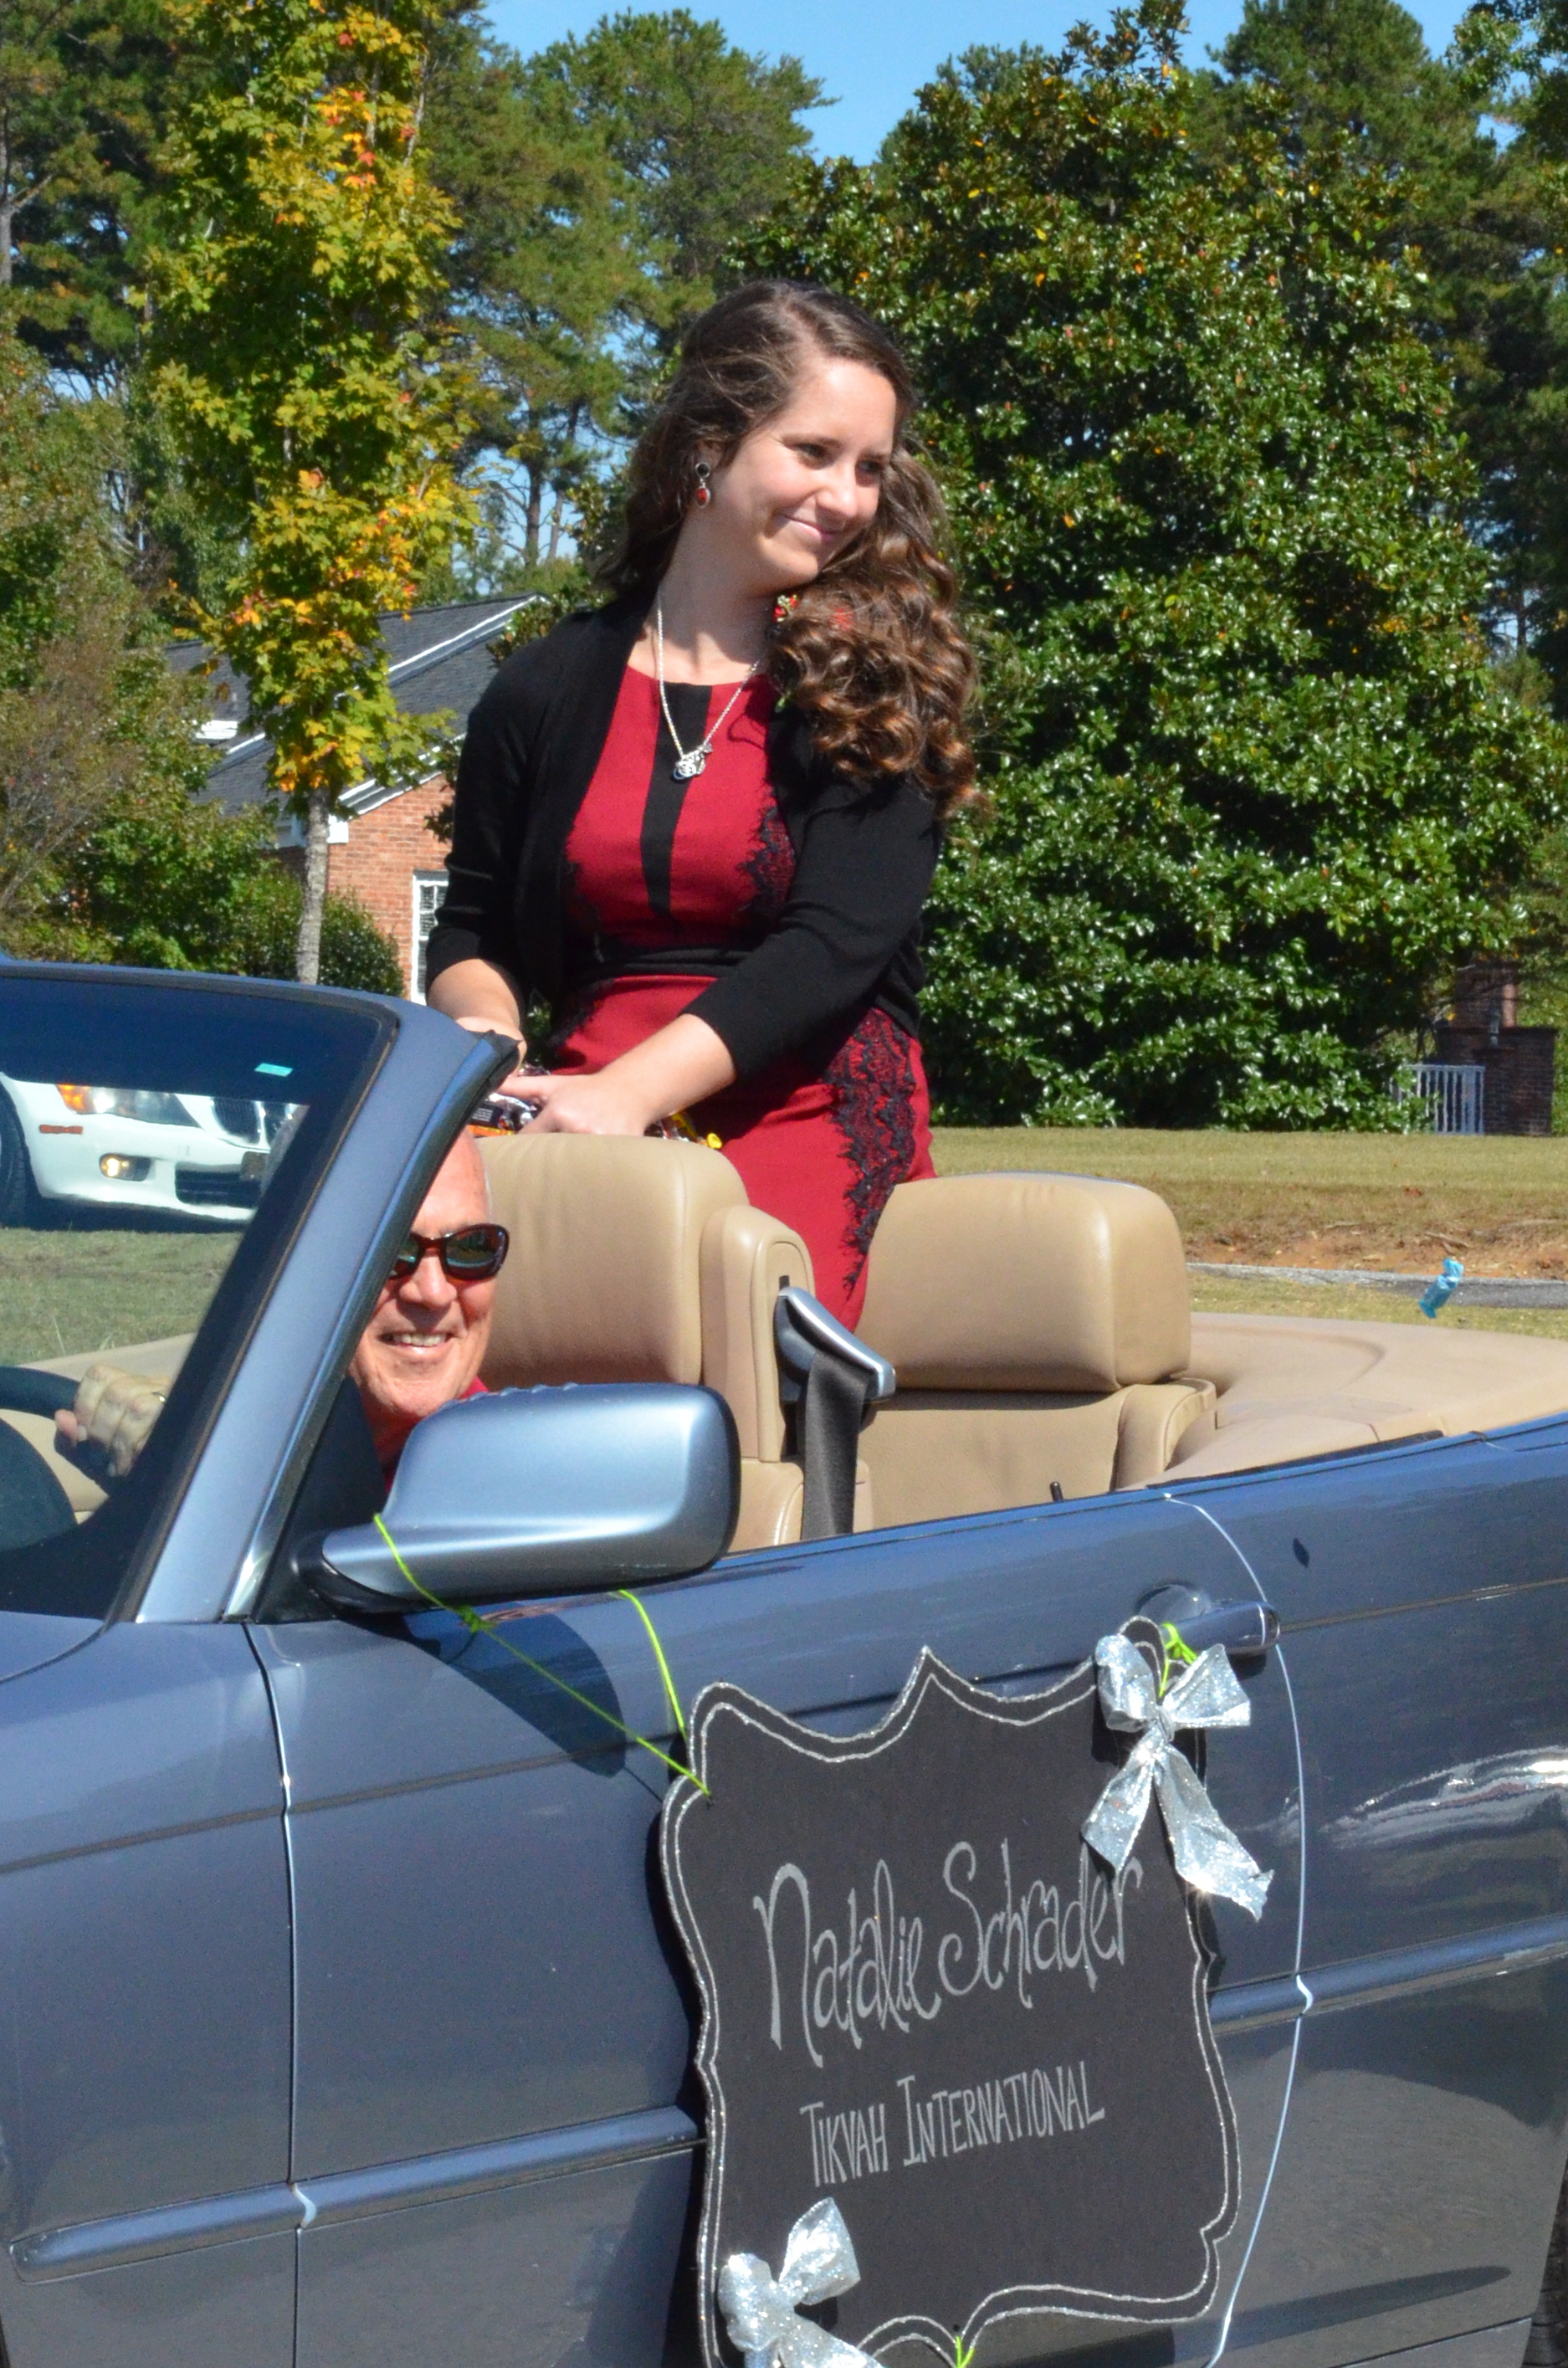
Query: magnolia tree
pixel 298 386
pixel 1252 785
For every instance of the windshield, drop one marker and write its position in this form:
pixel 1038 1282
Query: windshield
pixel 157 1140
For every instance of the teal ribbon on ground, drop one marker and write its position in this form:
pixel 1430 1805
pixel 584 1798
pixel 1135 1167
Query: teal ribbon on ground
pixel 478 1627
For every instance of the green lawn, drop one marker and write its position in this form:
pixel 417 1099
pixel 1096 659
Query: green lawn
pixel 63 1294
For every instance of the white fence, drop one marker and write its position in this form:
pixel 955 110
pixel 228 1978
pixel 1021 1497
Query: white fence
pixel 1453 1093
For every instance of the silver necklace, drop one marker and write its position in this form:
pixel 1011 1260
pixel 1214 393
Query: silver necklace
pixel 688 762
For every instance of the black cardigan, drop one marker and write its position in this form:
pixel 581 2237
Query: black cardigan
pixel 850 934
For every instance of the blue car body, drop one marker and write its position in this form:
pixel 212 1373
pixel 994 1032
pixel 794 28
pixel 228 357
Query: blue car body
pixel 341 2017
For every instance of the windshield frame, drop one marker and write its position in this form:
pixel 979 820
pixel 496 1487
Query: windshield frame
pixel 222 1340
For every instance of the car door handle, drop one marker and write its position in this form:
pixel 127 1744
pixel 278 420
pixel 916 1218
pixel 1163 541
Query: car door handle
pixel 1245 1630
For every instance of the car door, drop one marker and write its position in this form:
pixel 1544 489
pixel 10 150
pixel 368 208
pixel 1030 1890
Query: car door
pixel 144 2005
pixel 1425 1599
pixel 495 2132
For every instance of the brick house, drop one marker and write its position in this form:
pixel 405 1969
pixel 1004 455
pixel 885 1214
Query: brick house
pixel 1518 1064
pixel 379 849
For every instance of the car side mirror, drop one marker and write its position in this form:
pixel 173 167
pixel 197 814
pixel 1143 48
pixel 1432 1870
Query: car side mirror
pixel 543 1492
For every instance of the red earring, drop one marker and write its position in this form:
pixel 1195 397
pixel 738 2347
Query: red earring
pixel 704 491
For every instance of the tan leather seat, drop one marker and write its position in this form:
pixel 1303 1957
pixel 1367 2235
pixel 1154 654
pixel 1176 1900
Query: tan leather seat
pixel 640 1260
pixel 1306 1385
pixel 1036 1324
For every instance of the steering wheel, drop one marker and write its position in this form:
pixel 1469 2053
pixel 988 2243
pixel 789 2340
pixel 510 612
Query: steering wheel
pixel 25 1391
pixel 33 1505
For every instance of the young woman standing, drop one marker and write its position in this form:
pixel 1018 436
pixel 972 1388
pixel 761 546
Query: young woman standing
pixel 700 823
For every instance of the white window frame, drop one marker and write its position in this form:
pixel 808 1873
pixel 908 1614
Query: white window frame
pixel 422 921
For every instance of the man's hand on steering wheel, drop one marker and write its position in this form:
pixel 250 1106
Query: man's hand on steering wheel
pixel 110 1422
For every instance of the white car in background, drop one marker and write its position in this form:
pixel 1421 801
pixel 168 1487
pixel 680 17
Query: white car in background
pixel 118 1147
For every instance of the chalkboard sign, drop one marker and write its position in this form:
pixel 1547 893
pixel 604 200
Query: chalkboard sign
pixel 924 1996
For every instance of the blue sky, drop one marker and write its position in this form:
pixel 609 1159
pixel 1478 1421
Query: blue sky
pixel 873 54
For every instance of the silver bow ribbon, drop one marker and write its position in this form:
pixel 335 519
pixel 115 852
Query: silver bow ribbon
pixel 762 2312
pixel 1207 1853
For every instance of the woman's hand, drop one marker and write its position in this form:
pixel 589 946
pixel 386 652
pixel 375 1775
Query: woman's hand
pixel 682 1065
pixel 601 1103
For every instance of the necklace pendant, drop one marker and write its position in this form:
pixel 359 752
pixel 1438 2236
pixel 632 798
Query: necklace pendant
pixel 687 767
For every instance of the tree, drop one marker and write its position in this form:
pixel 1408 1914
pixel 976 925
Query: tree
pixel 596 186
pixel 85 88
pixel 709 133
pixel 1352 77
pixel 1350 86
pixel 87 710
pixel 169 882
pixel 106 851
pixel 550 274
pixel 294 365
pixel 1254 786
pixel 1518 425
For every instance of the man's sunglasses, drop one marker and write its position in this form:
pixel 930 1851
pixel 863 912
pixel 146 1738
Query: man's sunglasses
pixel 473 1254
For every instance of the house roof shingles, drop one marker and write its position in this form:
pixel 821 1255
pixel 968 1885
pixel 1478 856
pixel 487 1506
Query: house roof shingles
pixel 439 661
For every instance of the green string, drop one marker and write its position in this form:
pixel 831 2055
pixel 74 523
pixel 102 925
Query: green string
pixel 642 1610
pixel 1179 1653
pixel 478 1627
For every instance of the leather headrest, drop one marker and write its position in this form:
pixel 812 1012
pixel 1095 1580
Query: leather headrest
pixel 603 1281
pixel 1027 1283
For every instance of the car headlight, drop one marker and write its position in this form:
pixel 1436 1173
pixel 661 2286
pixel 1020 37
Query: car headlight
pixel 125 1101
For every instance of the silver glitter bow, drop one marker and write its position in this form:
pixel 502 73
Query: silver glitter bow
pixel 762 2312
pixel 1207 1853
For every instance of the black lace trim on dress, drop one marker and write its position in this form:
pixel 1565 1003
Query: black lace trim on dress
pixel 872 1081
pixel 770 868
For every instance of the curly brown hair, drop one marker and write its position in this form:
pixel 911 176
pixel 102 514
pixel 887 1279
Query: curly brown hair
pixel 870 652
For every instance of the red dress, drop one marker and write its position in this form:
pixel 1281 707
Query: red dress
pixel 657 866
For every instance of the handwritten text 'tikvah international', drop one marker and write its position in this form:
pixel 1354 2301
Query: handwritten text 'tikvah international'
pixel 946 2122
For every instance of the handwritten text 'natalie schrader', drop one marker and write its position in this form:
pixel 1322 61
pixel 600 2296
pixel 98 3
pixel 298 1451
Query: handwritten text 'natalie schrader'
pixel 870 1975
pixel 1036 2104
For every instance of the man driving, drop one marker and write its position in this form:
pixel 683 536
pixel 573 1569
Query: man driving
pixel 421 1348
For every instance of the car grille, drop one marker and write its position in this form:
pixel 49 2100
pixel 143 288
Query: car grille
pixel 242 1120
pixel 248 1121
pixel 216 1188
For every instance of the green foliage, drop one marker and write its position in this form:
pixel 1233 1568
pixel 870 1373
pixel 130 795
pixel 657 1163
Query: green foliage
pixel 85 88
pixel 105 854
pixel 1351 77
pixel 166 883
pixel 706 134
pixel 595 186
pixel 293 364
pixel 88 711
pixel 1349 86
pixel 1253 787
pixel 551 271
pixel 1518 422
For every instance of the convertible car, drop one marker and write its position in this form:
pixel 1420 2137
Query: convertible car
pixel 342 2017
